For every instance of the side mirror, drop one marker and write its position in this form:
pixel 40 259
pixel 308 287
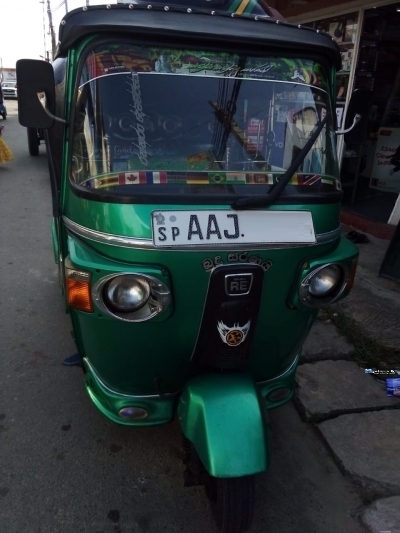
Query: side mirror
pixel 360 104
pixel 33 77
pixel 356 120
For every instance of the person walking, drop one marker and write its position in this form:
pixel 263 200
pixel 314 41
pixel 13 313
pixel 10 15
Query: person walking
pixel 5 153
pixel 3 111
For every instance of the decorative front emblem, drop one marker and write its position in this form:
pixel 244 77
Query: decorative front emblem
pixel 235 335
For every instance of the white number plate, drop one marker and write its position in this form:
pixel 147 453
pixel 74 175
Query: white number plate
pixel 202 228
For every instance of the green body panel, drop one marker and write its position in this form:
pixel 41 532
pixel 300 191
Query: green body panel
pixel 282 381
pixel 161 407
pixel 222 415
pixel 140 347
pixel 153 357
pixel 161 410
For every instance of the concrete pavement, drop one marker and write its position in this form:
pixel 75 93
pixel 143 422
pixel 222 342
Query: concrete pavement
pixel 359 423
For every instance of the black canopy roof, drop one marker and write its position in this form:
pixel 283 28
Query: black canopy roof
pixel 192 25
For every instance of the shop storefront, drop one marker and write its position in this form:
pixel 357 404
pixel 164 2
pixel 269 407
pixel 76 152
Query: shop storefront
pixel 369 39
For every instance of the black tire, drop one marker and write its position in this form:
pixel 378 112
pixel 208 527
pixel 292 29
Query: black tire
pixel 232 502
pixel 33 141
pixel 4 116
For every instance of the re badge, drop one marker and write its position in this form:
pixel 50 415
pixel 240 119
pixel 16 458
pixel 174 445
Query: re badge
pixel 238 284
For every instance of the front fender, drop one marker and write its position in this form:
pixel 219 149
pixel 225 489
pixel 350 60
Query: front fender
pixel 224 418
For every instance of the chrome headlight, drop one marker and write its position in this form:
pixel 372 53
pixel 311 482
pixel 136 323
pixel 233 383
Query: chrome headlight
pixel 126 294
pixel 131 297
pixel 323 285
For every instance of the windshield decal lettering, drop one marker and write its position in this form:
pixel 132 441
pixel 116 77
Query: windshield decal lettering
pixel 137 110
pixel 121 59
pixel 240 257
pixel 123 151
pixel 262 69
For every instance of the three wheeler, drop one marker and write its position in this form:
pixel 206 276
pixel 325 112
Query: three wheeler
pixel 196 199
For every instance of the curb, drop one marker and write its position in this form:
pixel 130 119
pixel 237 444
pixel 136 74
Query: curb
pixel 358 423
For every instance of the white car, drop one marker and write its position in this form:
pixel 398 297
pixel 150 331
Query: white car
pixel 9 89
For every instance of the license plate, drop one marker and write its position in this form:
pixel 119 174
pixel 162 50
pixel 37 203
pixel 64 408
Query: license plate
pixel 203 228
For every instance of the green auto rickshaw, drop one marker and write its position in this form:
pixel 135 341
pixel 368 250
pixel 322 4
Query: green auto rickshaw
pixel 196 199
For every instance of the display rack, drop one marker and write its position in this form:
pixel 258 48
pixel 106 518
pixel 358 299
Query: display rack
pixel 344 30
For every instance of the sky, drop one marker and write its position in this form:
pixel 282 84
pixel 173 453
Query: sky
pixel 24 29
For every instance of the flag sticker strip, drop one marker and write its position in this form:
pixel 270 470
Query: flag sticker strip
pixel 131 178
pixel 206 178
pixel 156 177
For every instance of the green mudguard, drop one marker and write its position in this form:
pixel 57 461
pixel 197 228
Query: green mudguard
pixel 223 416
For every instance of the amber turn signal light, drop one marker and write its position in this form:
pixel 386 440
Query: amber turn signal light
pixel 78 290
pixel 352 275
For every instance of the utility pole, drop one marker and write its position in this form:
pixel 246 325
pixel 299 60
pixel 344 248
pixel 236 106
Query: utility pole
pixel 44 30
pixel 51 30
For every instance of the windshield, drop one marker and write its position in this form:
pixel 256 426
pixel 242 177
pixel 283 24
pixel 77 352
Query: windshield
pixel 199 122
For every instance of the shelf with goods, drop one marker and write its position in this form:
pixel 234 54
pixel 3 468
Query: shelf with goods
pixel 378 70
pixel 344 77
pixel 378 59
pixel 344 29
pixel 365 74
pixel 370 65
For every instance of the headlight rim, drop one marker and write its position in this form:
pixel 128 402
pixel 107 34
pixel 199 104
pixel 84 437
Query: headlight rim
pixel 316 301
pixel 158 301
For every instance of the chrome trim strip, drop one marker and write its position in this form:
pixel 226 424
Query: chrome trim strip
pixel 93 371
pixel 107 238
pixel 323 238
pixel 147 244
pixel 294 363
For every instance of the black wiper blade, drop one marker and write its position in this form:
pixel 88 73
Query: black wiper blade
pixel 277 188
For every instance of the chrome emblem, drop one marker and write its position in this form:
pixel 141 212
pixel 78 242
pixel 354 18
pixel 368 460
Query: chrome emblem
pixel 238 284
pixel 235 335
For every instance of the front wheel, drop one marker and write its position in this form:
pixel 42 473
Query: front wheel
pixel 33 141
pixel 232 502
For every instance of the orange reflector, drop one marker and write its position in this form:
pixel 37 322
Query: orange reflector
pixel 78 294
pixel 352 275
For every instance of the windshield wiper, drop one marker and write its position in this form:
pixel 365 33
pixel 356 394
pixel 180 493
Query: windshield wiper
pixel 277 188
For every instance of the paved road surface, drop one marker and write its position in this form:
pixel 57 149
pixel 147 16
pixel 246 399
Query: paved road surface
pixel 64 468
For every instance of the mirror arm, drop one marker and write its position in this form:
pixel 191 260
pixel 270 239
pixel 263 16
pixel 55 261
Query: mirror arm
pixel 43 100
pixel 356 120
